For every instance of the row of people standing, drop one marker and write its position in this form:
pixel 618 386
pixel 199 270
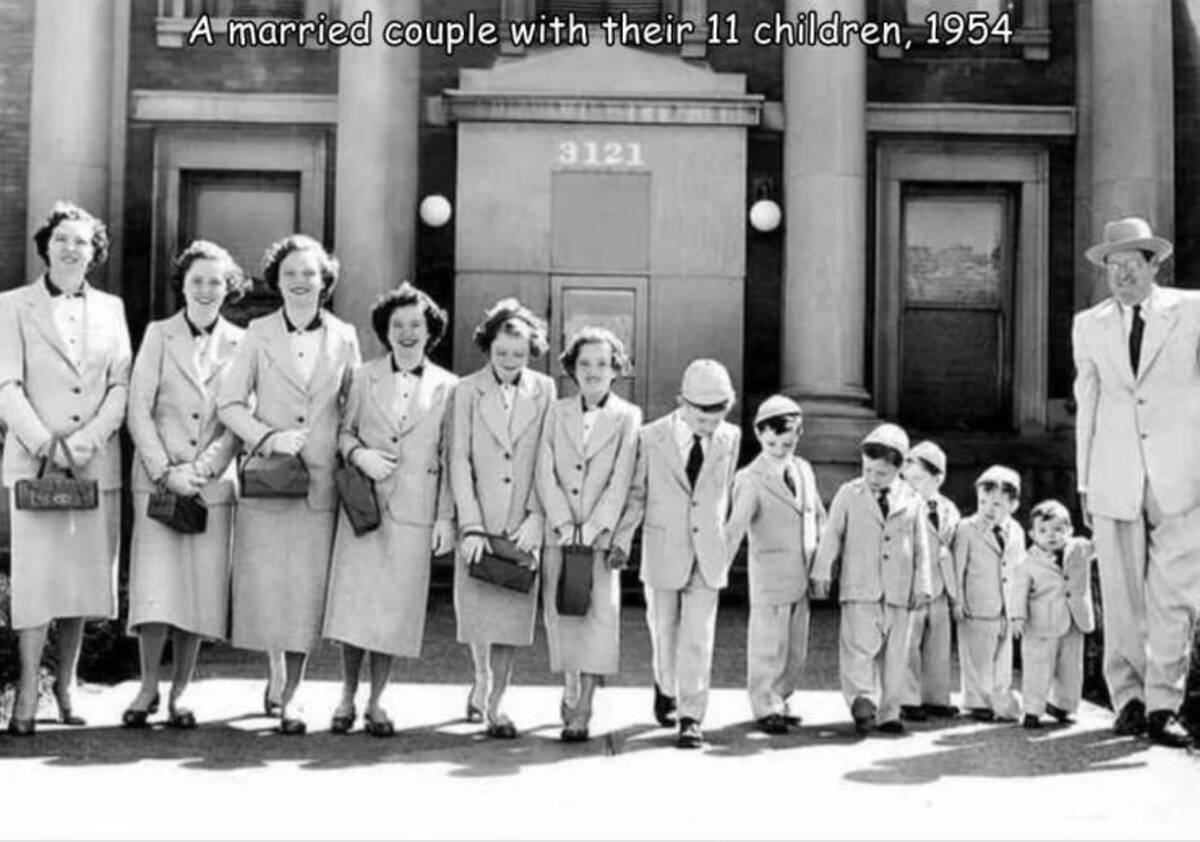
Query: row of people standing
pixel 442 453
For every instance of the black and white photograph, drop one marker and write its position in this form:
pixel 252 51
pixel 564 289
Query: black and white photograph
pixel 583 419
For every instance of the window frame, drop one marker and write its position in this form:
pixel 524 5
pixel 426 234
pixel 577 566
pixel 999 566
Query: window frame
pixel 1030 35
pixel 1023 166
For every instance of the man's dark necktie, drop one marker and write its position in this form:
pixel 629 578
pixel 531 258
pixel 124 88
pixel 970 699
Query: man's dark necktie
pixel 934 518
pixel 1058 557
pixel 1136 330
pixel 788 481
pixel 695 461
pixel 998 531
pixel 883 503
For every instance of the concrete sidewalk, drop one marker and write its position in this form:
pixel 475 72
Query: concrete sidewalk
pixel 439 777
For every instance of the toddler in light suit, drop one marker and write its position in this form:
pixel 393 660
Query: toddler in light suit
pixel 876 531
pixel 775 500
pixel 988 546
pixel 1052 611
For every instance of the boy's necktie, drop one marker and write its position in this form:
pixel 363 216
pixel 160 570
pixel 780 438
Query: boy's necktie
pixel 789 481
pixel 695 460
pixel 934 518
pixel 998 531
pixel 883 502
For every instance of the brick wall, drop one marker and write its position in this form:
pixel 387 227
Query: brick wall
pixel 16 65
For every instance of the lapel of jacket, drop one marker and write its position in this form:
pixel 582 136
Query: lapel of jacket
pixel 41 314
pixel 869 501
pixel 181 350
pixel 98 323
pixel 491 406
pixel 525 405
pixel 1044 561
pixel 1163 318
pixel 428 389
pixel 222 348
pixel 280 350
pixel 1113 340
pixel 606 425
pixel 381 386
pixel 329 359
pixel 664 436
pixel 772 481
pixel 718 443
pixel 570 419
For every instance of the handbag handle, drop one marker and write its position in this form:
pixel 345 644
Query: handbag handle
pixel 57 442
pixel 260 443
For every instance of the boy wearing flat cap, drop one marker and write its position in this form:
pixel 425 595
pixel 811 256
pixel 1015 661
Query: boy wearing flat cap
pixel 775 499
pixel 928 690
pixel 681 489
pixel 988 547
pixel 876 532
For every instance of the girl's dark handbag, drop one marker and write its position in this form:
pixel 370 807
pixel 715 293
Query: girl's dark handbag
pixel 356 492
pixel 574 596
pixel 277 475
pixel 56 491
pixel 185 514
pixel 505 565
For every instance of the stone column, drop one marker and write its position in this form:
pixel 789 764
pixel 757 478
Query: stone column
pixel 1132 118
pixel 377 164
pixel 69 125
pixel 825 178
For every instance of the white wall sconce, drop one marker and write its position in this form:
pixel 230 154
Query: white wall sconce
pixel 435 210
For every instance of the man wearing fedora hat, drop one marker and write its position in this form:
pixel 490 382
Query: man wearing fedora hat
pixel 681 487
pixel 1137 390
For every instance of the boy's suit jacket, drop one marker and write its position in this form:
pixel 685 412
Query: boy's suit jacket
pixel 262 392
pixel 43 394
pixel 1132 429
pixel 493 458
pixel 173 408
pixel 888 560
pixel 984 573
pixel 680 526
pixel 418 491
pixel 587 484
pixel 1048 597
pixel 784 528
pixel 941 547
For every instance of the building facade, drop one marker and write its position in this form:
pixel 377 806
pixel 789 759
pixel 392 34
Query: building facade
pixel 936 201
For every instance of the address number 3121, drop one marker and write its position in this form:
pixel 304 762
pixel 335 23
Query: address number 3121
pixel 594 153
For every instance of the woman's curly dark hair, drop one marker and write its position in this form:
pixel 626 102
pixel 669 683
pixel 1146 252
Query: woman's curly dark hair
pixel 278 251
pixel 236 282
pixel 407 295
pixel 61 212
pixel 590 335
pixel 512 317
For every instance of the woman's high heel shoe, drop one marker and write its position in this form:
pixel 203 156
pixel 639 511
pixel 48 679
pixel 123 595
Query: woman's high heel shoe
pixel 22 727
pixel 138 719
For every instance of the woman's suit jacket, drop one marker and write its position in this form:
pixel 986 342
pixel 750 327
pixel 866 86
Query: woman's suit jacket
pixel 492 461
pixel 418 491
pixel 586 484
pixel 263 393
pixel 44 394
pixel 173 409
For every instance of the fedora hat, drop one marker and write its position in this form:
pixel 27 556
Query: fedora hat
pixel 1126 234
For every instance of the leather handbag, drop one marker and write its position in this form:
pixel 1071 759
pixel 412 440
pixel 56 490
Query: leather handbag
pixel 502 564
pixel 185 514
pixel 274 476
pixel 356 491
pixel 56 491
pixel 574 596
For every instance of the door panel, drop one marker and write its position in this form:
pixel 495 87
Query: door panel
pixel 613 302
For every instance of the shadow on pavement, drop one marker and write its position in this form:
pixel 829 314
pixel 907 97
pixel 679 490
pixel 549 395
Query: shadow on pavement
pixel 1008 751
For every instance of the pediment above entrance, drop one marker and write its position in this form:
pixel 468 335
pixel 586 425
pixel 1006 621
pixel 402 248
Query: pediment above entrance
pixel 602 84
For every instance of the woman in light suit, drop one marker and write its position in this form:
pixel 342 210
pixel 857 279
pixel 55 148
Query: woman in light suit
pixel 498 415
pixel 284 394
pixel 64 373
pixel 394 429
pixel 588 453
pixel 179 584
